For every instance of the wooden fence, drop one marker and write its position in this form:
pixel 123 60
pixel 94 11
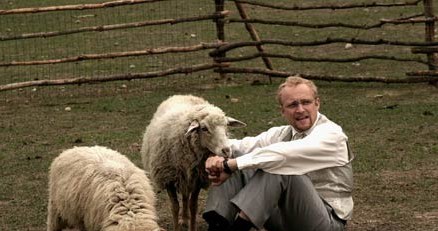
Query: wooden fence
pixel 155 41
pixel 428 46
pixel 221 51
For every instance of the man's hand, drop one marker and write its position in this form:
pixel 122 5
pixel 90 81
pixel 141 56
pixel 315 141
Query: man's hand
pixel 214 164
pixel 218 178
pixel 215 169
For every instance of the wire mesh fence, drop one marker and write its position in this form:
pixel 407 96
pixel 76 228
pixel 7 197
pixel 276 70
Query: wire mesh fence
pixel 58 40
pixel 59 43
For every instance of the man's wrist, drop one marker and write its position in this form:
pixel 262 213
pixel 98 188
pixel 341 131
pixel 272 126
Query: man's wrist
pixel 227 168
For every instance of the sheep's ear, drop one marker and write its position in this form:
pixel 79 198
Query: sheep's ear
pixel 193 126
pixel 235 123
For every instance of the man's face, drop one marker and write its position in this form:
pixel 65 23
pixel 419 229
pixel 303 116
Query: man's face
pixel 299 106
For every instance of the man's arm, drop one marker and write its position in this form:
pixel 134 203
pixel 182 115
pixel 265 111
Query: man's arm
pixel 324 147
pixel 266 138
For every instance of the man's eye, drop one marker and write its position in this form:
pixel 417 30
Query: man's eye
pixel 204 129
pixel 294 104
pixel 306 102
pixel 303 102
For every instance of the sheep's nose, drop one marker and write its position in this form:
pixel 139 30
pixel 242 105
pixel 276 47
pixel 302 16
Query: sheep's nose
pixel 226 151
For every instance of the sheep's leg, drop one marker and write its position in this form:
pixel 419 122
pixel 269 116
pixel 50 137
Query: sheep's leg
pixel 194 207
pixel 171 192
pixel 53 221
pixel 184 222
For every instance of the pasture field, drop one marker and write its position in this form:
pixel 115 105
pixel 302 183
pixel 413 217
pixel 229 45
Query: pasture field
pixel 392 128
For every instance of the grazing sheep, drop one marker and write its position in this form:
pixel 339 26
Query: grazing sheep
pixel 183 132
pixel 99 189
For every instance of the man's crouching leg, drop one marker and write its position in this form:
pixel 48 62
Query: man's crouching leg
pixel 219 212
pixel 283 202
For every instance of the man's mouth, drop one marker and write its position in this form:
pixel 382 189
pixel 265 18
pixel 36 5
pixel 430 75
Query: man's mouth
pixel 301 118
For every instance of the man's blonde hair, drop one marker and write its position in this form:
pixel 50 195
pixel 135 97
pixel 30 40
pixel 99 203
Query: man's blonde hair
pixel 292 81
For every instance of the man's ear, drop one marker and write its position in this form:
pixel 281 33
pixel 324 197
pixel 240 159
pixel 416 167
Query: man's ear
pixel 280 108
pixel 317 102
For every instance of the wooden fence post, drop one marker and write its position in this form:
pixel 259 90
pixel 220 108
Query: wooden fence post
pixel 220 31
pixel 430 32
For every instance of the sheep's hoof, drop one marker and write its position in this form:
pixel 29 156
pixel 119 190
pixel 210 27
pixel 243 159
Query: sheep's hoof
pixel 183 224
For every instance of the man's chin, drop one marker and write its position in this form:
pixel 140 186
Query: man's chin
pixel 302 127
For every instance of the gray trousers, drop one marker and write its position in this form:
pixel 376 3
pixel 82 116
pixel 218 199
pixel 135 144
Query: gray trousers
pixel 273 202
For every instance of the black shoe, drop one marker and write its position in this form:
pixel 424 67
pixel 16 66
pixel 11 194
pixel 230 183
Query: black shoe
pixel 215 221
pixel 241 224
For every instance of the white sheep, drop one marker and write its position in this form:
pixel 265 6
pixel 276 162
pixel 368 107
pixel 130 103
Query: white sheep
pixel 99 189
pixel 183 132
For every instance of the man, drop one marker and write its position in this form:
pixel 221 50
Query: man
pixel 294 177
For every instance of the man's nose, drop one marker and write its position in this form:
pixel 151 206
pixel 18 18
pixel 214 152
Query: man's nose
pixel 300 107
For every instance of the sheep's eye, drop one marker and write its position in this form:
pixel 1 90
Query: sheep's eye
pixel 204 129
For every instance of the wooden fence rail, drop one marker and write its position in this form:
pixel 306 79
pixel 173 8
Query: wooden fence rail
pixel 116 26
pixel 230 46
pixel 34 10
pixel 328 6
pixel 85 57
pixel 311 59
pixel 380 79
pixel 110 78
pixel 408 20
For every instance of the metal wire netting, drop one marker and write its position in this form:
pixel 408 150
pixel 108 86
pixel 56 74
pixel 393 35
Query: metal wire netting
pixel 27 37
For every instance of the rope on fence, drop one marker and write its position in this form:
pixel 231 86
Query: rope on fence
pixel 115 26
pixel 95 79
pixel 76 7
pixel 328 6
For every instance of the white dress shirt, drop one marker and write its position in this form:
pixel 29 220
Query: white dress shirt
pixel 323 146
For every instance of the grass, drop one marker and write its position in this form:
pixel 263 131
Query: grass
pixel 392 128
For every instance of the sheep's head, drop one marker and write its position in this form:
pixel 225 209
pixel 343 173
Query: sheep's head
pixel 211 126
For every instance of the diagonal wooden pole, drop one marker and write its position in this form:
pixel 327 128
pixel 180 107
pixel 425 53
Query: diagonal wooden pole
pixel 254 36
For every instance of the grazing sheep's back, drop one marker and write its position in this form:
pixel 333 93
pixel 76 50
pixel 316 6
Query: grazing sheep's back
pixel 96 188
